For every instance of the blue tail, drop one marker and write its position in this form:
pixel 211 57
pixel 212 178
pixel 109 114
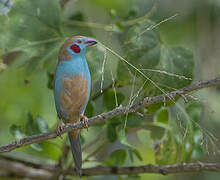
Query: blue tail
pixel 76 151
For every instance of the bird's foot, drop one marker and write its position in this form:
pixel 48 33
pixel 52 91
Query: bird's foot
pixel 59 129
pixel 85 121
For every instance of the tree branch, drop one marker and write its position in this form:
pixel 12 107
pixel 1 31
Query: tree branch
pixel 11 168
pixel 166 169
pixel 115 112
pixel 17 169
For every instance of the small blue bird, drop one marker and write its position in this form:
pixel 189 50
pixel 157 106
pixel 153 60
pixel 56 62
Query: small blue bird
pixel 72 86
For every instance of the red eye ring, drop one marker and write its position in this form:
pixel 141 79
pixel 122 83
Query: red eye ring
pixel 79 41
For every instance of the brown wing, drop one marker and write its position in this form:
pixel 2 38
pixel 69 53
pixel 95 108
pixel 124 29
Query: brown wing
pixel 74 97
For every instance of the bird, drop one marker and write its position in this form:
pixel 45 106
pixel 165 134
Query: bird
pixel 72 85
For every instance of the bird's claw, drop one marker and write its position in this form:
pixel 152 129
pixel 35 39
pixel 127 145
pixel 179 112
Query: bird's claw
pixel 85 121
pixel 59 129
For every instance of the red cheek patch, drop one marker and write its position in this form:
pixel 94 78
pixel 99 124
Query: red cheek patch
pixel 75 48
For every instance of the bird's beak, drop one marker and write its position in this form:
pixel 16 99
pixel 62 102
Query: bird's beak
pixel 90 42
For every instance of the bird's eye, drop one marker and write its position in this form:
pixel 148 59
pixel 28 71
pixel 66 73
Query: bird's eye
pixel 79 41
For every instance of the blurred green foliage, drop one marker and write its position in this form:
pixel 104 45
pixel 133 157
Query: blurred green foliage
pixel 30 38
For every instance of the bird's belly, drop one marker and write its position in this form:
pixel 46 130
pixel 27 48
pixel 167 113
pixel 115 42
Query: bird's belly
pixel 73 97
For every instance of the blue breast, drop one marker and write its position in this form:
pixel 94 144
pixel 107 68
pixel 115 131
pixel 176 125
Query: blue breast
pixel 67 69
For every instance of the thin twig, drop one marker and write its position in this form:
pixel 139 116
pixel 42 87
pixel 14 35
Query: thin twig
pixel 151 27
pixel 103 70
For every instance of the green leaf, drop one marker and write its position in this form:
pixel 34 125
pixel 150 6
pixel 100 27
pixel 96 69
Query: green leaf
pixel 198 137
pixel 158 131
pixel 50 77
pixel 137 154
pixel 37 147
pixel 31 127
pixel 90 109
pixel 147 40
pixel 166 152
pixel 31 64
pixel 144 137
pixel 35 14
pixel 17 132
pixel 82 139
pixel 180 143
pixel 168 67
pixel 49 58
pixel 179 61
pixel 109 99
pixel 112 125
pixel 36 23
pixel 177 65
pixel 111 132
pixel 134 120
pixel 123 138
pixel 39 32
pixel 143 52
pixel 130 153
pixel 35 125
pixel 198 152
pixel 117 158
pixel 194 110
pixel 95 57
pixel 41 124
pixel 162 115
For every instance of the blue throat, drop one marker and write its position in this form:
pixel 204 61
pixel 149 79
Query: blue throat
pixel 75 66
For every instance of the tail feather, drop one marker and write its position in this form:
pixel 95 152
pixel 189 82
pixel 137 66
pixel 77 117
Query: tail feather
pixel 76 151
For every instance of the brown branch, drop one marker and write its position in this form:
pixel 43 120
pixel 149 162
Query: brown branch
pixel 21 170
pixel 166 169
pixel 18 169
pixel 115 112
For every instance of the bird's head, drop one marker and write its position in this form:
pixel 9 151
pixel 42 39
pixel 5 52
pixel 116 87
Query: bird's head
pixel 76 45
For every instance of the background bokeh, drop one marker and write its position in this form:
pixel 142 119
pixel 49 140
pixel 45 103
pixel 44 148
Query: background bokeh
pixel 187 45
